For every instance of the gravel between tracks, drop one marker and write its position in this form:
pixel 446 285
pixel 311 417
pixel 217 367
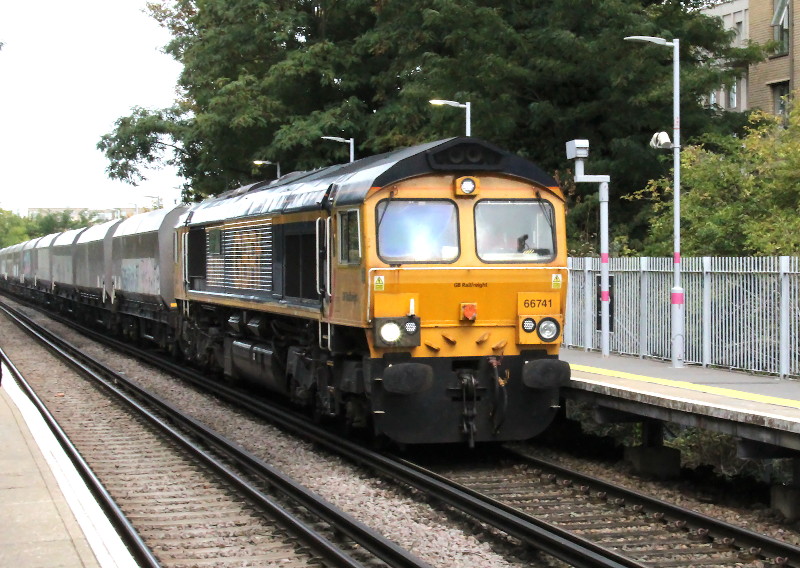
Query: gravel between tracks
pixel 427 532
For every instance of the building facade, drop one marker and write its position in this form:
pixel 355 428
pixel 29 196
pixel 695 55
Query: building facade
pixel 773 79
pixel 735 16
pixel 75 213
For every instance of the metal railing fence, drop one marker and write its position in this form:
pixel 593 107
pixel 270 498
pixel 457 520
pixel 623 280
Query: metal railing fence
pixel 741 313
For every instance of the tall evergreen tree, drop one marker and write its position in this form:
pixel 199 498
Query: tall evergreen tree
pixel 264 79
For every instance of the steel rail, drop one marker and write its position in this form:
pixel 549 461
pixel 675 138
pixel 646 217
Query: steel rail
pixel 368 538
pixel 552 540
pixel 556 542
pixel 717 528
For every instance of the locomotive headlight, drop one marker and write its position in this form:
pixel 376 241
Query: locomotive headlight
pixel 467 185
pixel 403 331
pixel 528 325
pixel 390 332
pixel 548 329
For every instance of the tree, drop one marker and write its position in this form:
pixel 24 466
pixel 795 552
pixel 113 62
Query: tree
pixel 58 222
pixel 264 79
pixel 740 196
pixel 13 229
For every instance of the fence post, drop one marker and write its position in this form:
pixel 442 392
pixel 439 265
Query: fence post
pixel 567 337
pixel 644 304
pixel 783 264
pixel 705 320
pixel 588 305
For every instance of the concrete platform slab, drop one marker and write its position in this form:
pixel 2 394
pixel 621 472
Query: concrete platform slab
pixel 49 517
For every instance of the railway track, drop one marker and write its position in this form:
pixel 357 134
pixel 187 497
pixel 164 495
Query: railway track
pixel 189 496
pixel 645 529
pixel 552 511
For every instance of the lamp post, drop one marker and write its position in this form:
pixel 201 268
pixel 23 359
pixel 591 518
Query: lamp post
pixel 676 294
pixel 578 150
pixel 465 106
pixel 350 141
pixel 266 163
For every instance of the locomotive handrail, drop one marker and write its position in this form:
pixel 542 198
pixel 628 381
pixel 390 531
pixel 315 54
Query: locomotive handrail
pixel 328 257
pixel 316 239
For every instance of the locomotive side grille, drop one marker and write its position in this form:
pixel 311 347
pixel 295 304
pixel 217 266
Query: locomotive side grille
pixel 240 256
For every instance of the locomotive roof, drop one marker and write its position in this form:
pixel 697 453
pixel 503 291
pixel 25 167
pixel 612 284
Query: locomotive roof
pixel 348 184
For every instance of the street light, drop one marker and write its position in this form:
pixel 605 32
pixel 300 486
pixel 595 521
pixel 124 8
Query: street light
pixel 465 106
pixel 267 163
pixel 676 294
pixel 350 141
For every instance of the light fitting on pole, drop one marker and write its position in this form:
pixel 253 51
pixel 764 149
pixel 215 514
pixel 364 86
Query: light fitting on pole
pixel 661 141
pixel 649 39
pixel 466 106
pixel 267 163
pixel 350 141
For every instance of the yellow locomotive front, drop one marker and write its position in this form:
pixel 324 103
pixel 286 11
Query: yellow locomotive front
pixel 466 287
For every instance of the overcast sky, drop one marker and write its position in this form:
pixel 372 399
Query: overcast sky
pixel 68 70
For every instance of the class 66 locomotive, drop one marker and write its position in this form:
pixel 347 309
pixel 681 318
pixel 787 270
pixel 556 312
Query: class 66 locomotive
pixel 419 294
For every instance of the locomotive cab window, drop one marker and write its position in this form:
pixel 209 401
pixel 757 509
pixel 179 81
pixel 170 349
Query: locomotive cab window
pixel 515 230
pixel 423 230
pixel 349 237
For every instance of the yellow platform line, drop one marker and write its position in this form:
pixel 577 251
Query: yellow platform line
pixel 731 393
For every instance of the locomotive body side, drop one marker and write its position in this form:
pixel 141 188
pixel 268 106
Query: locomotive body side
pixel 291 286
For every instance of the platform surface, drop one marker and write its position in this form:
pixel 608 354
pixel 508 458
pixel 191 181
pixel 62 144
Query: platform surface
pixel 732 395
pixel 49 518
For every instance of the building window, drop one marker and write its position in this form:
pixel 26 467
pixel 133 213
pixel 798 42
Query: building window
pixel 712 99
pixel 780 91
pixel 732 98
pixel 780 25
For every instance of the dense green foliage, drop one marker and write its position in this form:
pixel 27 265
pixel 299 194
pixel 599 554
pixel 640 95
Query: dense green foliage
pixel 265 79
pixel 15 229
pixel 739 196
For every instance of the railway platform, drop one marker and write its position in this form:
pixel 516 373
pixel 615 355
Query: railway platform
pixel 762 412
pixel 50 519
